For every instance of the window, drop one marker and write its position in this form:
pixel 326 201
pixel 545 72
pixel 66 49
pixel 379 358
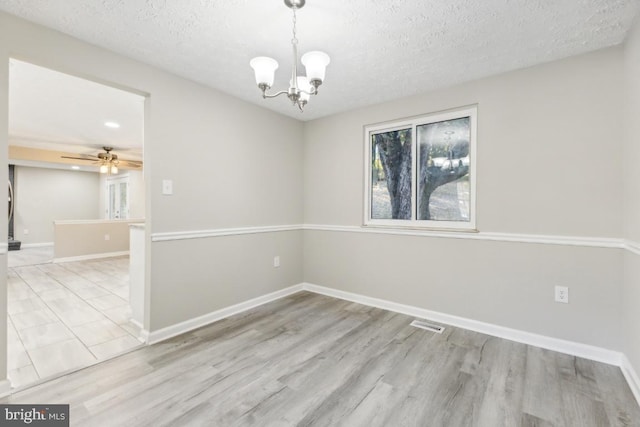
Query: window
pixel 421 172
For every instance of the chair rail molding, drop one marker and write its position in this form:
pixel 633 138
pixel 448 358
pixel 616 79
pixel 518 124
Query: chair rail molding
pixel 599 242
pixel 587 241
pixel 218 232
pixel 631 246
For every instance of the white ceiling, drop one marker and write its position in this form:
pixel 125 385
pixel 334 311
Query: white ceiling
pixel 50 110
pixel 380 49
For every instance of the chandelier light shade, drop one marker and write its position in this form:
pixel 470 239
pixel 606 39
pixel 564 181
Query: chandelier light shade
pixel 316 64
pixel 265 69
pixel 300 87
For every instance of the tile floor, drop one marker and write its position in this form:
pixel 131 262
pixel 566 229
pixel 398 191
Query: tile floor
pixel 65 316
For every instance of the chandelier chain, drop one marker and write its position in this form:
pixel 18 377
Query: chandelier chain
pixel 294 40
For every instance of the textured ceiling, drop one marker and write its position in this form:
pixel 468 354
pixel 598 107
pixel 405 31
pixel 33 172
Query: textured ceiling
pixel 380 49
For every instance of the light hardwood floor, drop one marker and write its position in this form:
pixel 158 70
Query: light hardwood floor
pixel 65 316
pixel 311 360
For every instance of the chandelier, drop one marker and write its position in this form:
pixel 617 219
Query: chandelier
pixel 300 87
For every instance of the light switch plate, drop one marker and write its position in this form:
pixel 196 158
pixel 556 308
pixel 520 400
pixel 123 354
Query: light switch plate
pixel 167 187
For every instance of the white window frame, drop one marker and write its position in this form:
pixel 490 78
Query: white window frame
pixel 472 113
pixel 117 179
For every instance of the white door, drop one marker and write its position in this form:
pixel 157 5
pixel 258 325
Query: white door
pixel 117 198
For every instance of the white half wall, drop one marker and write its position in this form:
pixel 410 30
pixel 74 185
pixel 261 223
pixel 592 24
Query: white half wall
pixel 90 239
pixel 46 195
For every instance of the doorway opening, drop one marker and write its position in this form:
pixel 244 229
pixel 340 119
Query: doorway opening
pixel 75 150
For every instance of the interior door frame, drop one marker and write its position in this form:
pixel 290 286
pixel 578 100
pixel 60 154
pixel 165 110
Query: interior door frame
pixel 72 66
pixel 115 180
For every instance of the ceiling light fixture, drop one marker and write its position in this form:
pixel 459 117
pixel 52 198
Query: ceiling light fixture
pixel 112 125
pixel 300 87
pixel 109 163
pixel 109 169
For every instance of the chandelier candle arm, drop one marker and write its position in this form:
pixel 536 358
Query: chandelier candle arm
pixel 300 87
pixel 266 95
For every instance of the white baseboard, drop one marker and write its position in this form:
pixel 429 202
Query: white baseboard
pixel 91 256
pixel 631 376
pixel 586 351
pixel 197 322
pixel 36 245
pixel 563 346
pixel 143 334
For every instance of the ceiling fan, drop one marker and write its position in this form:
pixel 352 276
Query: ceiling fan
pixel 108 161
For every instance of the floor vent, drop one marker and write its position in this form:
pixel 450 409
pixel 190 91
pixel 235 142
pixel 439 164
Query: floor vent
pixel 428 326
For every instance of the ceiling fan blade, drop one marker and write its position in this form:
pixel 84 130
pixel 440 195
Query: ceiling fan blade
pixel 88 158
pixel 131 163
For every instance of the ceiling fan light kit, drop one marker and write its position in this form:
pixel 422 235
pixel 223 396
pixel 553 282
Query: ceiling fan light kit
pixel 108 162
pixel 300 87
pixel 108 169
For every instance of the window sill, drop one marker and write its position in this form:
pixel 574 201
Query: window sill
pixel 417 228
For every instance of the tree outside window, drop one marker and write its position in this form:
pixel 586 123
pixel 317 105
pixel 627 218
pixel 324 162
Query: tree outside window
pixel 421 171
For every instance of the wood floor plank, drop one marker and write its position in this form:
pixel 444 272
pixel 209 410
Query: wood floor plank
pixel 542 393
pixel 502 400
pixel 359 384
pixel 310 360
pixel 621 407
pixel 581 397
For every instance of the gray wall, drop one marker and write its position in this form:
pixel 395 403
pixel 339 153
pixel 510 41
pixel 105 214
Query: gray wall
pixel 136 193
pixel 549 163
pixel 631 291
pixel 233 164
pixel 47 195
pixel 221 271
pixel 4 148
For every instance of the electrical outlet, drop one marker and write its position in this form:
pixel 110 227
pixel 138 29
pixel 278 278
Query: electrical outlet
pixel 107 237
pixel 276 261
pixel 562 294
pixel 26 231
